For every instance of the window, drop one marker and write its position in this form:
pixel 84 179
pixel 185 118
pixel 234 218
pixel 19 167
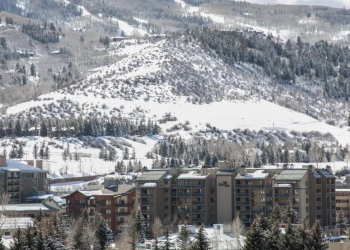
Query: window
pixel 307 209
pixel 306 183
pixel 166 190
pixel 165 182
pixel 212 199
pixel 165 207
pixel 166 199
pixel 108 211
pixel 262 191
pixel 261 208
pixel 296 201
pixel 108 203
pixel 187 200
pixel 212 191
pixel 296 191
pixel 262 200
pixel 307 191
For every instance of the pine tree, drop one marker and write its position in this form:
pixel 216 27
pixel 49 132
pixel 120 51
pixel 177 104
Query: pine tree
pixel 40 242
pixel 42 151
pixel 184 237
pixel 201 242
pixel 289 213
pixel 317 241
pixel 133 155
pixel 2 246
pixel 342 221
pixel 255 237
pixel 126 153
pixel 167 244
pixel 103 232
pixel 13 153
pixel 18 128
pixel 18 240
pixel 20 152
pixel 78 237
pixel 303 233
pixel 35 151
pixel 29 237
pixel 289 240
pixel 47 153
pixel 257 161
pixel 273 237
pixel 43 129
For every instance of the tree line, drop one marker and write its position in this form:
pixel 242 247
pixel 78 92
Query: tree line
pixel 323 64
pixel 75 127
pixel 60 232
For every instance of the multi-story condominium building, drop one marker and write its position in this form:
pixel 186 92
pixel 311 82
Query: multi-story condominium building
pixel 311 193
pixel 342 201
pixel 216 195
pixel 21 181
pixel 114 203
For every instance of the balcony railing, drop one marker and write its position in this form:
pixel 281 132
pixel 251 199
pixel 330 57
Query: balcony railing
pixel 243 211
pixel 147 211
pixel 198 211
pixel 198 194
pixel 147 195
pixel 282 195
pixel 149 220
pixel 151 203
pixel 198 202
pixel 269 194
pixel 76 205
pixel 242 194
pixel 243 203
pixel 184 211
pixel 198 219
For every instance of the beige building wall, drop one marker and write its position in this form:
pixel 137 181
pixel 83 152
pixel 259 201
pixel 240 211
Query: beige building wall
pixel 224 199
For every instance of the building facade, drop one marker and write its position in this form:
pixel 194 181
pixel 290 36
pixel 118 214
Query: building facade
pixel 114 203
pixel 217 195
pixel 21 181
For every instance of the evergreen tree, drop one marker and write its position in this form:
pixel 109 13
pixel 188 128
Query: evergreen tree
pixel 43 129
pixel 18 240
pixel 289 214
pixel 40 242
pixel 167 244
pixel 2 246
pixel 103 232
pixel 126 153
pixel 184 237
pixel 13 153
pixel 20 152
pixel 201 242
pixel 133 155
pixel 289 240
pixel 35 151
pixel 78 237
pixel 342 221
pixel 273 237
pixel 257 161
pixel 317 240
pixel 255 237
pixel 47 153
pixel 276 215
pixel 18 128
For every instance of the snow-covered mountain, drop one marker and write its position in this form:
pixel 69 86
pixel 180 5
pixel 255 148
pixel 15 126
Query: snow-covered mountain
pixel 177 77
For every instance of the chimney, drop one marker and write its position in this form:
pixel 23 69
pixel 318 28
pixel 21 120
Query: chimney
pixel 39 164
pixel 30 163
pixel 3 161
pixel 242 170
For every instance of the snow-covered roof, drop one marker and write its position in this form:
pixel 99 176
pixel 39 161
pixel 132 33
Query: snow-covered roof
pixel 18 222
pixel 342 190
pixel 282 185
pixel 149 185
pixel 27 207
pixel 39 197
pixel 192 175
pixel 19 166
pixel 258 174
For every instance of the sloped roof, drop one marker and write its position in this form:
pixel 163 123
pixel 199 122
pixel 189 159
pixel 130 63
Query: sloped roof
pixel 291 175
pixel 18 166
pixel 151 175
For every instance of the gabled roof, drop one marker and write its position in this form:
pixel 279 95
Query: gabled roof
pixel 18 166
pixel 152 175
pixel 292 175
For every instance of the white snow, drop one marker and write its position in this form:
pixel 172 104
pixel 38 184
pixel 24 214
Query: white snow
pixel 140 20
pixel 128 29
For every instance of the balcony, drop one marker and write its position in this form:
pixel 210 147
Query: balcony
pixel 285 195
pixel 173 194
pixel 319 212
pixel 330 185
pixel 319 203
pixel 239 186
pixel 125 213
pixel 269 194
pixel 174 203
pixel 81 205
pixel 318 186
pixel 200 211
pixel 198 194
pixel 318 194
pixel 331 211
pixel 243 211
pixel 243 203
pixel 184 211
pixel 146 195
pixel 148 220
pixel 147 211
pixel 242 194
pixel 198 202
pixel 183 194
pixel 150 203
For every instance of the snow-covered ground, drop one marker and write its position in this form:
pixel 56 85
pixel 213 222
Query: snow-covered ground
pixel 89 162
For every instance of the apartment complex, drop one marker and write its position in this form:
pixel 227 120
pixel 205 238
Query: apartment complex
pixel 342 201
pixel 114 203
pixel 21 181
pixel 216 195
